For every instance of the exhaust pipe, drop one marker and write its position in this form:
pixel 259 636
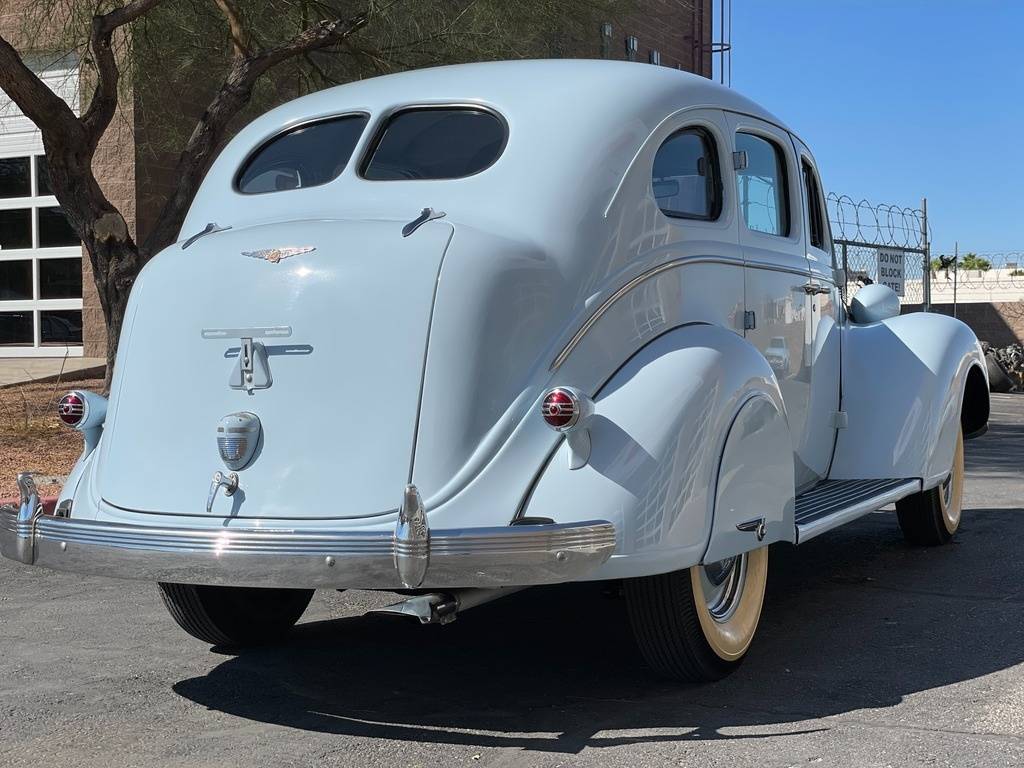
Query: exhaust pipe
pixel 443 607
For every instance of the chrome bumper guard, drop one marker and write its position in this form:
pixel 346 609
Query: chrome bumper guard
pixel 411 556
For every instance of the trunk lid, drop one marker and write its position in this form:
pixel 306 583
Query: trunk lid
pixel 339 417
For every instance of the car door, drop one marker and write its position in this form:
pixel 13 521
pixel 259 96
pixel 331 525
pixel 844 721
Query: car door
pixel 826 313
pixel 777 278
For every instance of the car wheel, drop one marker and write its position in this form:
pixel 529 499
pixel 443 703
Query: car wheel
pixel 932 517
pixel 234 616
pixel 696 624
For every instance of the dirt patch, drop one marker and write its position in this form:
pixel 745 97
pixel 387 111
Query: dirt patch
pixel 31 436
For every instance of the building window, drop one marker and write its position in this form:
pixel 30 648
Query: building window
pixel 15 229
pixel 762 185
pixel 60 278
pixel 632 45
pixel 654 57
pixel 16 280
pixel 685 180
pixel 40 264
pixel 15 178
pixel 62 328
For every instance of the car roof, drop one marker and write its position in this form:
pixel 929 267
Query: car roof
pixel 561 114
pixel 632 86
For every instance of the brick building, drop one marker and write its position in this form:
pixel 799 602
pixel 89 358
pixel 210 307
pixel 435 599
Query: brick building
pixel 48 304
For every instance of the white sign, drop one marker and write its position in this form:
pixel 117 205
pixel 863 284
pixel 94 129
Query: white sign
pixel 891 268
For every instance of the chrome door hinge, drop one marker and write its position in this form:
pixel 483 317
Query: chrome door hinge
pixel 756 527
pixel 840 420
pixel 749 320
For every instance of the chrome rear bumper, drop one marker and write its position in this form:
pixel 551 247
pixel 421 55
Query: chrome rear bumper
pixel 288 557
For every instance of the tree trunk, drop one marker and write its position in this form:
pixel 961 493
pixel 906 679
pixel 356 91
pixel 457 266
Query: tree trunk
pixel 115 264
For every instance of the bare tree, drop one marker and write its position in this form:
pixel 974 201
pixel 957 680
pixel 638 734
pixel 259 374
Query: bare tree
pixel 230 45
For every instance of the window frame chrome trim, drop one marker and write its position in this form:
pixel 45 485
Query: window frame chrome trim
pixel 290 129
pixel 787 188
pixel 647 274
pixel 718 200
pixel 384 119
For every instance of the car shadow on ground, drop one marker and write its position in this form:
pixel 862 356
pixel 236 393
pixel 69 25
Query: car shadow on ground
pixel 854 620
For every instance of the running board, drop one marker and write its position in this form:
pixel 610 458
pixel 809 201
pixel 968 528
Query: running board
pixel 835 502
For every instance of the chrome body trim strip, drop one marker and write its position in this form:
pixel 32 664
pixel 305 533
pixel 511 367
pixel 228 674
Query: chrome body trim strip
pixel 653 272
pixel 626 288
pixel 471 557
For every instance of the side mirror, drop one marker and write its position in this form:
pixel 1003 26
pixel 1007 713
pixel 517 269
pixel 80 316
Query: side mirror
pixel 874 303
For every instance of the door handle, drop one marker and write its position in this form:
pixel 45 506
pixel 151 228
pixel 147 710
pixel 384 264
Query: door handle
pixel 813 289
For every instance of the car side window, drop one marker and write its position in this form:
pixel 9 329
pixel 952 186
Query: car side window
pixel 685 179
pixel 762 185
pixel 306 156
pixel 815 208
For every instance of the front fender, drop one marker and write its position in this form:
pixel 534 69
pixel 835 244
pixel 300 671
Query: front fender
pixel 904 382
pixel 658 435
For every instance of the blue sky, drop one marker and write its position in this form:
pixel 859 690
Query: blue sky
pixel 900 99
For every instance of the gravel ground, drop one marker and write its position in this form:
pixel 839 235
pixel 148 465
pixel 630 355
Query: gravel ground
pixel 870 653
pixel 31 437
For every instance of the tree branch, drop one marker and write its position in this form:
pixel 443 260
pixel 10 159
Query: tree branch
pixel 239 36
pixel 233 94
pixel 104 98
pixel 34 98
pixel 323 34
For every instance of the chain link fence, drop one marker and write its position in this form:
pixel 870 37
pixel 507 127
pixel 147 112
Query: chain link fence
pixel 975 277
pixel 881 243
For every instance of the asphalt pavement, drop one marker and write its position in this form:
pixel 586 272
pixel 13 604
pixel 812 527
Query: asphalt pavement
pixel 869 653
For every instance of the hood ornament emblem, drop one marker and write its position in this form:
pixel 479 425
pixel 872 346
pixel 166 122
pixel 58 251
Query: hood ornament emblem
pixel 274 255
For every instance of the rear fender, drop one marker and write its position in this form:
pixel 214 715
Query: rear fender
pixel 660 430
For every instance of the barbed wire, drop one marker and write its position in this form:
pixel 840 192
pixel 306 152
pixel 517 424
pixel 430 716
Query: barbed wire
pixel 875 224
pixel 1004 272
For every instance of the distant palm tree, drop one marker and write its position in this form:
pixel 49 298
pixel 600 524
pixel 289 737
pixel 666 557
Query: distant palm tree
pixel 974 261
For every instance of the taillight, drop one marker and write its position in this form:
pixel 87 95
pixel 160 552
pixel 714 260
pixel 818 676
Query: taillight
pixel 72 408
pixel 82 410
pixel 563 408
pixel 569 411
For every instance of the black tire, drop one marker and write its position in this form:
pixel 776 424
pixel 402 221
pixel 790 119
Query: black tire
pixel 234 616
pixel 930 518
pixel 675 631
pixel 998 379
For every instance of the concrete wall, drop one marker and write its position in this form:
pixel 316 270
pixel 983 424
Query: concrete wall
pixel 999 323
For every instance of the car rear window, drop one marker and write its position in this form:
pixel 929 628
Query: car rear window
pixel 306 156
pixel 435 143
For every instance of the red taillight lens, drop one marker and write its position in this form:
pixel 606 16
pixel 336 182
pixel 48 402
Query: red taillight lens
pixel 71 409
pixel 560 409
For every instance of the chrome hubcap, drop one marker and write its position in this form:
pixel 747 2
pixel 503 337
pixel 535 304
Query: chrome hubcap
pixel 947 491
pixel 722 584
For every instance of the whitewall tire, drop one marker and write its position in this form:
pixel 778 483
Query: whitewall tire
pixel 696 624
pixel 931 517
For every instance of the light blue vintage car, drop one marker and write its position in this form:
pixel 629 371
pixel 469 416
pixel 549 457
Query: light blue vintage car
pixel 460 331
